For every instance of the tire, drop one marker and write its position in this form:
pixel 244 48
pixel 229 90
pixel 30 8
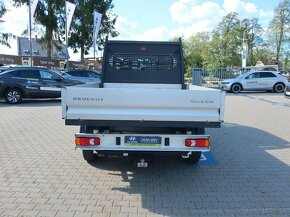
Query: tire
pixel 88 155
pixel 13 96
pixel 236 88
pixel 279 88
pixel 193 158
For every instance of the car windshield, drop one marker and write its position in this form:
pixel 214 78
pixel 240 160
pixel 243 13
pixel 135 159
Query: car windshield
pixel 6 71
pixel 240 76
pixel 244 75
pixel 57 72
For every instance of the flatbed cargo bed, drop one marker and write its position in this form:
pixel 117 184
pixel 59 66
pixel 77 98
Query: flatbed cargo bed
pixel 142 105
pixel 195 107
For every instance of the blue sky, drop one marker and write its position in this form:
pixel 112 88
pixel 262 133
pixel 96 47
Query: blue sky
pixel 162 19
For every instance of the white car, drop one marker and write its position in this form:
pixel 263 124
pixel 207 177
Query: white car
pixel 256 80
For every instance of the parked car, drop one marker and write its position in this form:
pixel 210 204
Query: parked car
pixel 287 91
pixel 86 76
pixel 2 69
pixel 31 82
pixel 256 80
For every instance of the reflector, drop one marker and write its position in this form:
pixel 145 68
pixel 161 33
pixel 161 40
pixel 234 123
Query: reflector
pixel 197 142
pixel 85 141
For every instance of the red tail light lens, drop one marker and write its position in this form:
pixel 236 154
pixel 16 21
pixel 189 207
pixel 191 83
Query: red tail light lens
pixel 197 142
pixel 84 141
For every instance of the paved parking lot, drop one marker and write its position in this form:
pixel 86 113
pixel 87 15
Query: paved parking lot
pixel 42 175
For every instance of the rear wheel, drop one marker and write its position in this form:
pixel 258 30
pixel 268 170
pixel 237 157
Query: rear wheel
pixel 13 96
pixel 236 88
pixel 88 155
pixel 279 88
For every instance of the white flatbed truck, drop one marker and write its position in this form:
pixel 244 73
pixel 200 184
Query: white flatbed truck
pixel 142 106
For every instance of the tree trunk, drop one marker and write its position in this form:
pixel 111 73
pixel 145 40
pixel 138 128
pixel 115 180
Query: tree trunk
pixel 280 34
pixel 279 44
pixel 49 29
pixel 82 52
pixel 49 42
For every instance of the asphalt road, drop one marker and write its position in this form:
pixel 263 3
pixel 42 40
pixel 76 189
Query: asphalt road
pixel 246 174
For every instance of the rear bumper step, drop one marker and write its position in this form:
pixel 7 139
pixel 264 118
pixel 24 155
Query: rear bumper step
pixel 143 154
pixel 142 142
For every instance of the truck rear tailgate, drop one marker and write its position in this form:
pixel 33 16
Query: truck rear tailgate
pixel 135 104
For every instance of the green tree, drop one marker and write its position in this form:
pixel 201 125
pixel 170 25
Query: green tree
pixel 279 28
pixel 252 31
pixel 194 48
pixel 49 14
pixel 264 53
pixel 2 10
pixel 81 34
pixel 212 55
pixel 3 36
pixel 225 46
pixel 226 40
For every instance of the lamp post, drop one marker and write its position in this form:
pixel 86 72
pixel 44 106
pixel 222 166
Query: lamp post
pixel 245 49
pixel 66 40
pixel 30 42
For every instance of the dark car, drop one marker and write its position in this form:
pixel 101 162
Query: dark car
pixel 86 76
pixel 32 82
pixel 287 91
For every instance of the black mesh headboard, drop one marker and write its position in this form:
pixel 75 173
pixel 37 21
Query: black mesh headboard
pixel 143 62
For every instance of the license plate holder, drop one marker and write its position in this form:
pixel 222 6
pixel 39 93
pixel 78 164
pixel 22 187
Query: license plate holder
pixel 147 141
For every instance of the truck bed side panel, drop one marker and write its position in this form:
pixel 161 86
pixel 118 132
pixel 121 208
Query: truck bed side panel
pixel 142 104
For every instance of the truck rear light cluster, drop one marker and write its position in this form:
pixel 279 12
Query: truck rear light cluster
pixel 85 141
pixel 197 142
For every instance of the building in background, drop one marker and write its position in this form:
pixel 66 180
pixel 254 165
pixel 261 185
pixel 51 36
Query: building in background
pixel 19 54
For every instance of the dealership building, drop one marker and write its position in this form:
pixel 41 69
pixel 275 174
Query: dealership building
pixel 20 53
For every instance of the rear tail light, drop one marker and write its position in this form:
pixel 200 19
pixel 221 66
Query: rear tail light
pixel 197 142
pixel 85 141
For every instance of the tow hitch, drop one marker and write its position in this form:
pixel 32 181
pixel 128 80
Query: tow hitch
pixel 142 163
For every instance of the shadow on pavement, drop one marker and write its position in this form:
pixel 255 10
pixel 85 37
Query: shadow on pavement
pixel 256 92
pixel 247 181
pixel 282 101
pixel 33 103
